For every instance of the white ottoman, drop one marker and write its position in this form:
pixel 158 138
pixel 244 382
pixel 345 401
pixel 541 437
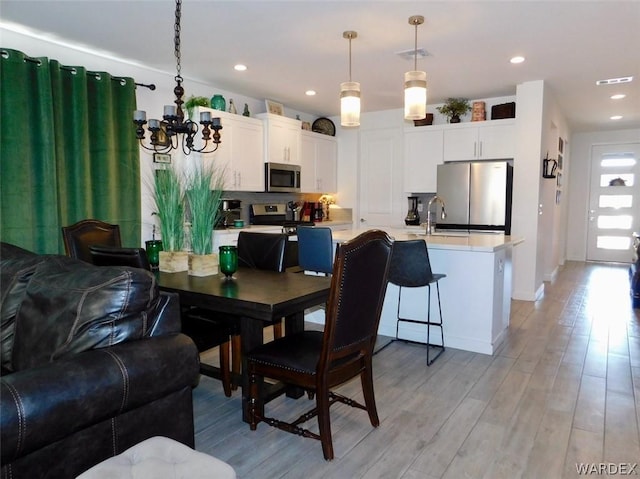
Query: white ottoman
pixel 160 458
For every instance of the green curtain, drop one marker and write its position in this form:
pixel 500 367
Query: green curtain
pixel 67 152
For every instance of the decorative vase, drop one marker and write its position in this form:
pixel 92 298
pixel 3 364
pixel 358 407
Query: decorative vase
pixel 173 261
pixel 153 248
pixel 218 103
pixel 203 264
pixel 228 260
pixel 455 119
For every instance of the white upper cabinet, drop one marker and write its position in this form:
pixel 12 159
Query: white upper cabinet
pixel 282 138
pixel 489 140
pixel 422 155
pixel 319 163
pixel 241 152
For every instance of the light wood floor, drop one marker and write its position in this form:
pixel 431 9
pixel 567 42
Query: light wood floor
pixel 563 389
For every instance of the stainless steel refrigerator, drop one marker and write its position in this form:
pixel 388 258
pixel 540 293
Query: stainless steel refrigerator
pixel 477 196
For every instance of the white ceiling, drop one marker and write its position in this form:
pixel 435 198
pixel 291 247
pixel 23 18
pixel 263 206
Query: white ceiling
pixel 292 46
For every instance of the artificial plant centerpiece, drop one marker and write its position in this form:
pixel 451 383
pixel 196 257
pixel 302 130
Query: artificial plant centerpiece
pixel 168 194
pixel 193 102
pixel 454 108
pixel 204 186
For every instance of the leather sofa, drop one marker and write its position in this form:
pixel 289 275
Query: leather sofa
pixel 93 362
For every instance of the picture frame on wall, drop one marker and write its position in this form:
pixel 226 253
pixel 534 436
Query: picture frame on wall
pixel 274 107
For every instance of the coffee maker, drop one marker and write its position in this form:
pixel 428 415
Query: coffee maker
pixel 413 217
pixel 230 210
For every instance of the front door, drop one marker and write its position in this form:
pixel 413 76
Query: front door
pixel 614 210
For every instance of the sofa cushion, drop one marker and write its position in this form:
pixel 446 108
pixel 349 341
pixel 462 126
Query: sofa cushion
pixel 71 306
pixel 16 267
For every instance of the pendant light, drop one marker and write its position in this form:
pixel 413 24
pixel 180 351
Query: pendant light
pixel 415 82
pixel 350 93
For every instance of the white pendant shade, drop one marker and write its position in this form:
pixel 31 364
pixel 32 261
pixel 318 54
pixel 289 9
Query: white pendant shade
pixel 350 103
pixel 415 95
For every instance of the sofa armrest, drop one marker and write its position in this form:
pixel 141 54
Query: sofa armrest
pixel 44 404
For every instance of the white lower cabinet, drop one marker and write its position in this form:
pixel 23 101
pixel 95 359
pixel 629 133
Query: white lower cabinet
pixel 319 163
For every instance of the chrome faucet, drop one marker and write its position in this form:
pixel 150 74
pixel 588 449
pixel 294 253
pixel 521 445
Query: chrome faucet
pixel 430 223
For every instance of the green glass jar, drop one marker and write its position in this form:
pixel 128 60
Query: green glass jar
pixel 228 260
pixel 218 103
pixel 153 248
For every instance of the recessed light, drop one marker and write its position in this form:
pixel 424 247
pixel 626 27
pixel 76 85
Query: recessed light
pixel 517 59
pixel 310 92
pixel 614 81
pixel 619 96
pixel 616 117
pixel 240 67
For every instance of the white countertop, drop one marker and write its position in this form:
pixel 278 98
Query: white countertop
pixel 484 242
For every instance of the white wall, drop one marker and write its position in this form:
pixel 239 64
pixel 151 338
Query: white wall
pixel 535 216
pixel 578 186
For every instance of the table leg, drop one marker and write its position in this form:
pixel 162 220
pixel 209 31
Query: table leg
pixel 251 336
pixel 294 323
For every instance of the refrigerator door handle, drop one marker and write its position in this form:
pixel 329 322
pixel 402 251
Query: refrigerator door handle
pixel 475 148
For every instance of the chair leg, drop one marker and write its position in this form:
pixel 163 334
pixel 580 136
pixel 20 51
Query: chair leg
pixel 277 329
pixel 324 421
pixel 254 397
pixel 429 324
pixel 366 377
pixel 225 369
pixel 236 360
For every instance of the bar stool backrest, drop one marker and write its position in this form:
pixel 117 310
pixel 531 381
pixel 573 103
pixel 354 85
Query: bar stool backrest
pixel 315 249
pixel 410 265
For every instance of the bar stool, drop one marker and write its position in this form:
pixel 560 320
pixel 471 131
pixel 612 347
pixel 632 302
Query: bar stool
pixel 410 268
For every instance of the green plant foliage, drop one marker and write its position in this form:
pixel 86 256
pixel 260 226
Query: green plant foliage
pixel 204 188
pixel 454 107
pixel 168 194
pixel 194 101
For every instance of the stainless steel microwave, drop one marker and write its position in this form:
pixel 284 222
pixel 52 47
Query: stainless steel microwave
pixel 282 178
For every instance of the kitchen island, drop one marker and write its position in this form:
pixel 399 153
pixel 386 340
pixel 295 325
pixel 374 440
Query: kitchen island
pixel 475 295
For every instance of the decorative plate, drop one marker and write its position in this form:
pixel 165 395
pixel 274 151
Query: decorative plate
pixel 324 126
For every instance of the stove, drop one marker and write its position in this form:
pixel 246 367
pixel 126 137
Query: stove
pixel 275 214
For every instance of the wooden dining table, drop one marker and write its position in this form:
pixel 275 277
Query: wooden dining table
pixel 255 298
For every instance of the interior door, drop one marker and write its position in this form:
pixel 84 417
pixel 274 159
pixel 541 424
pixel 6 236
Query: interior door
pixel 381 199
pixel 614 195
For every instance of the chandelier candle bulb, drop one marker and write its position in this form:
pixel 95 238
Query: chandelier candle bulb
pixel 216 122
pixel 140 115
pixel 169 110
pixel 154 124
pixel 205 116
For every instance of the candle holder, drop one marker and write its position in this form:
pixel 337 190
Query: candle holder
pixel 228 261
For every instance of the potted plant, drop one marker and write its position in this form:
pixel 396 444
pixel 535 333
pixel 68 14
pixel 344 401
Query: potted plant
pixel 453 108
pixel 194 101
pixel 168 194
pixel 204 186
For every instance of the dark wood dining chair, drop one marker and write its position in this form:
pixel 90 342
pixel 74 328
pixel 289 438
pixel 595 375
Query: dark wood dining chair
pixel 320 361
pixel 79 236
pixel 315 249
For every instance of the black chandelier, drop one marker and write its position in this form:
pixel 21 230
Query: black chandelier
pixel 165 133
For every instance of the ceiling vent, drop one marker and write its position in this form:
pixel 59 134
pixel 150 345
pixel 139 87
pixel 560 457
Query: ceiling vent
pixel 412 53
pixel 614 81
